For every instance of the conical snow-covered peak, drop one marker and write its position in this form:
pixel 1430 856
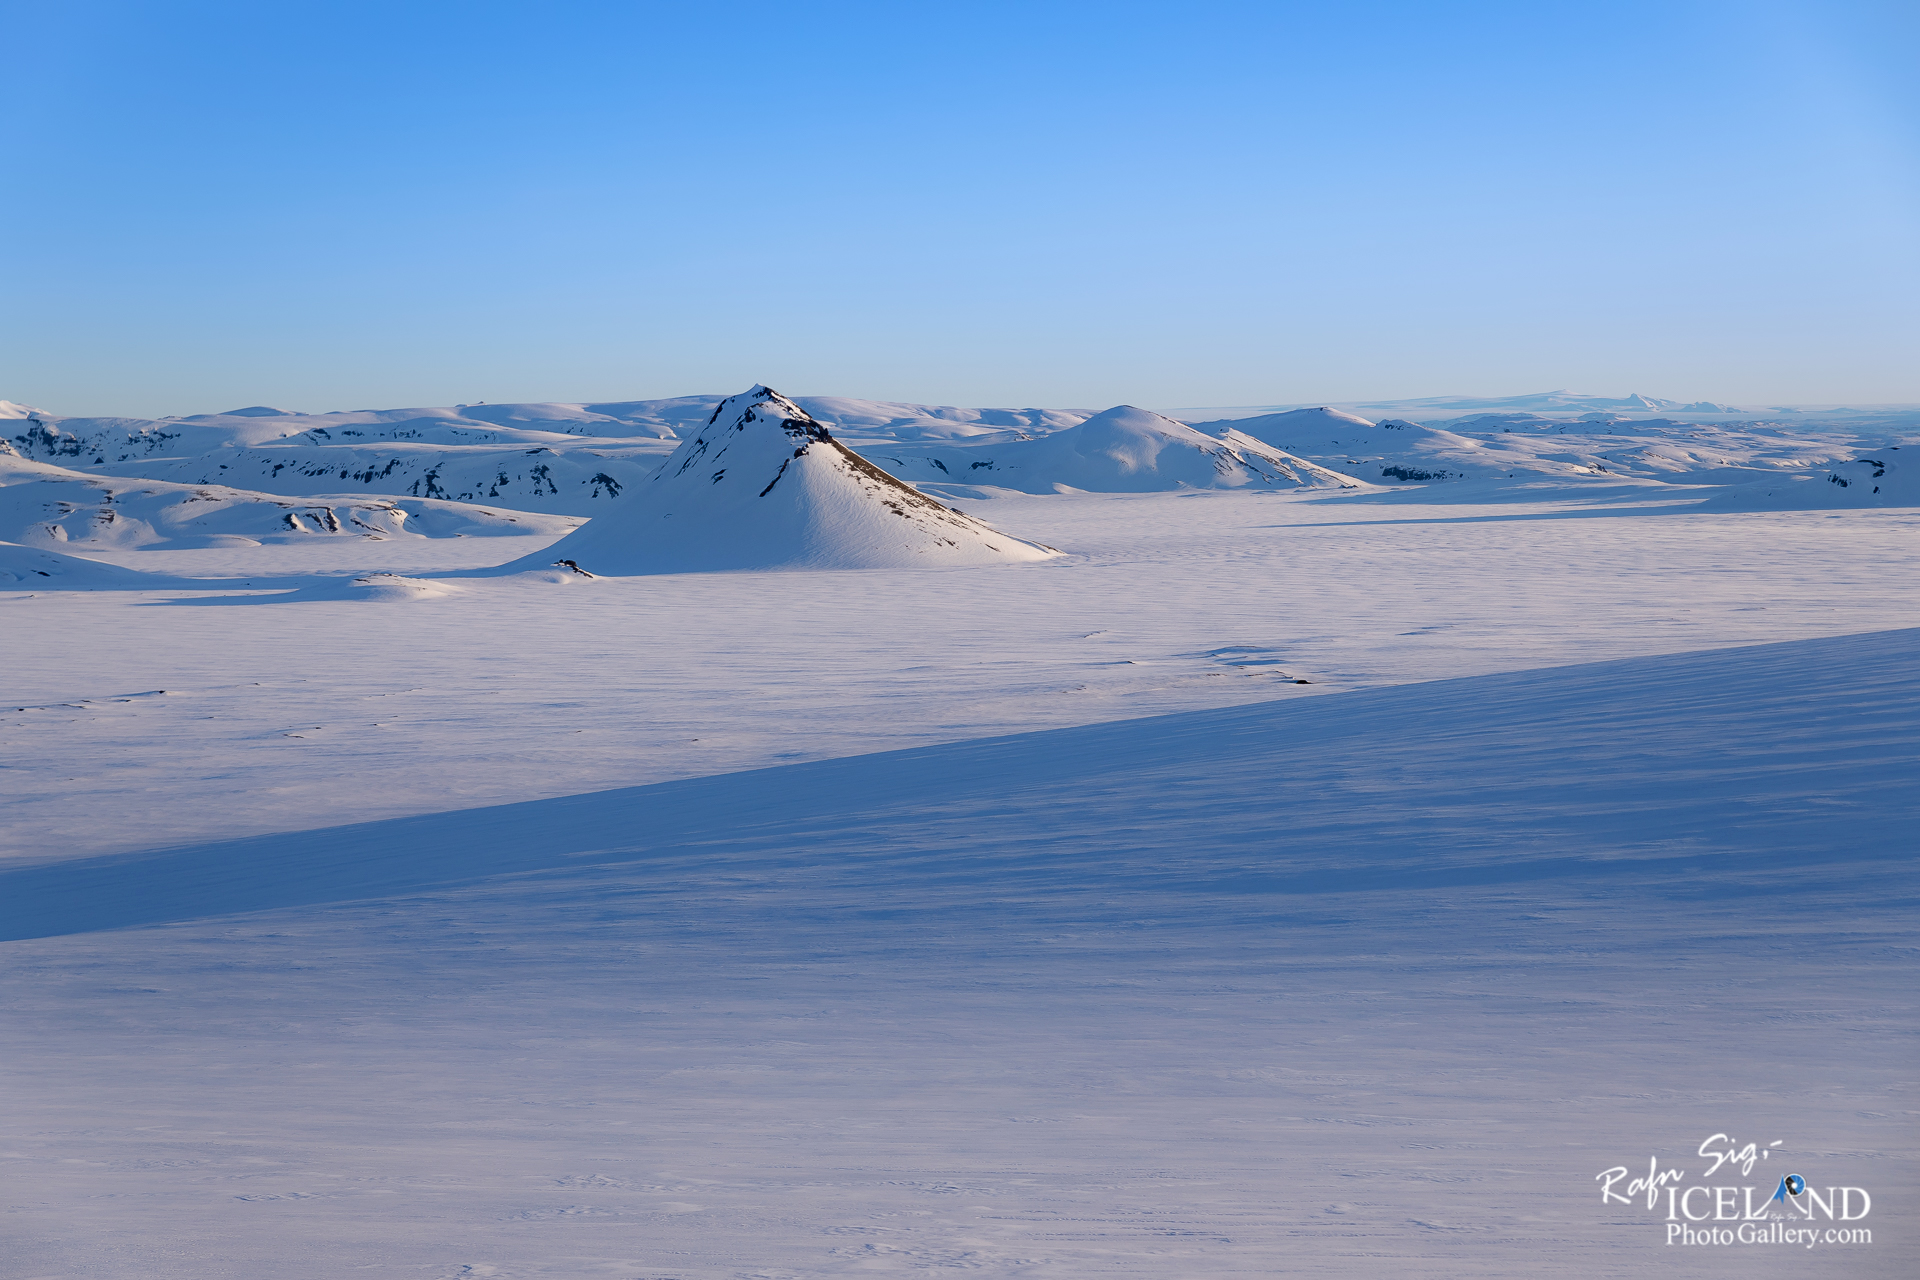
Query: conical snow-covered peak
pixel 759 425
pixel 764 486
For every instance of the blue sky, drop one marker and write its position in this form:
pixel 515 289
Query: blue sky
pixel 343 205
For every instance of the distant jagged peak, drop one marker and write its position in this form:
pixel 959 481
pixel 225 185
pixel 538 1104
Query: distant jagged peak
pixel 8 409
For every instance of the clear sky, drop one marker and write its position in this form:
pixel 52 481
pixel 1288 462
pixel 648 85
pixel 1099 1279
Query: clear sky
pixel 345 205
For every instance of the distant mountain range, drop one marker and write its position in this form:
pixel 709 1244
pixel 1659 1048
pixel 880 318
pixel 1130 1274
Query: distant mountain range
pixel 671 418
pixel 1565 402
pixel 874 485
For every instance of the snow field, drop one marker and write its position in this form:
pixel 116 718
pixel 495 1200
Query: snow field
pixel 282 715
pixel 1356 985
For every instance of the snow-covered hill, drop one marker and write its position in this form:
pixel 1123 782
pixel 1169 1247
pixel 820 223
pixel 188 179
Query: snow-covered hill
pixel 1295 424
pixel 1749 466
pixel 1397 452
pixel 858 422
pixel 402 452
pixel 50 506
pixel 761 486
pixel 1572 404
pixel 1122 450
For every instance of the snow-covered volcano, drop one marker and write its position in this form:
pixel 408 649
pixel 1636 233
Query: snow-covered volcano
pixel 764 486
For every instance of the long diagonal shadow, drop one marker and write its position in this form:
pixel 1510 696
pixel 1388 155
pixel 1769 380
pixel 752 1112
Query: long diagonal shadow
pixel 1721 767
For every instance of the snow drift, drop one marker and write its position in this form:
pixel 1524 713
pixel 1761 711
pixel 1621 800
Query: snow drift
pixel 764 486
pixel 34 569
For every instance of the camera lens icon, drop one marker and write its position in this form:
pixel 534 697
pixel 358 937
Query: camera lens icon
pixel 1794 1184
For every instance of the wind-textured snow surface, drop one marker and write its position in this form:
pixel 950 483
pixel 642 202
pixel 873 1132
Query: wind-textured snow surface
pixel 284 710
pixel 764 486
pixel 1363 985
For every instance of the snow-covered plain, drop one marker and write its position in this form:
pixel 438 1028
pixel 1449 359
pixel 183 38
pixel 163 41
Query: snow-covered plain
pixel 1587 837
